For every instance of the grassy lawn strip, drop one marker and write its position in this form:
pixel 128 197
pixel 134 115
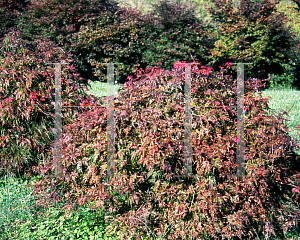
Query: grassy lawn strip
pixel 286 100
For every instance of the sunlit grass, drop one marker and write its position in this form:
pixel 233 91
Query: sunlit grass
pixel 286 100
pixel 99 89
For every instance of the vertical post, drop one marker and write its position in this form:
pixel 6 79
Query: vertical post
pixel 240 154
pixel 110 121
pixel 187 123
pixel 58 125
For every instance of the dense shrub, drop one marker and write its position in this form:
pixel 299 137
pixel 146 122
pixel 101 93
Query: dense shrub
pixel 113 34
pixel 174 13
pixel 140 41
pixel 27 87
pixel 58 19
pixel 289 8
pixel 291 75
pixel 10 10
pixel 286 80
pixel 110 40
pixel 255 33
pixel 51 18
pixel 149 116
pixel 178 35
pixel 201 9
pixel 297 8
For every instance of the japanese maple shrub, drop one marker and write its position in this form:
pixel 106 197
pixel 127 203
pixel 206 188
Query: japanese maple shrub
pixel 149 156
pixel 27 87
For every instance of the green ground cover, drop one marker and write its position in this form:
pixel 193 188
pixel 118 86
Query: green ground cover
pixel 286 100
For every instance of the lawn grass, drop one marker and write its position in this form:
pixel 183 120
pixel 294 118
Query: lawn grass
pixel 286 100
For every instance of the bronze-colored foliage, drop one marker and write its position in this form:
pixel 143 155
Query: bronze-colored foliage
pixel 27 87
pixel 149 123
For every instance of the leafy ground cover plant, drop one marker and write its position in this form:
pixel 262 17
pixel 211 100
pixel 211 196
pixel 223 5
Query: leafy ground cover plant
pixel 27 88
pixel 21 219
pixel 14 204
pixel 149 116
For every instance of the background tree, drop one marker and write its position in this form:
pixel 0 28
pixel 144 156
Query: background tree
pixel 59 19
pixel 255 33
pixel 178 35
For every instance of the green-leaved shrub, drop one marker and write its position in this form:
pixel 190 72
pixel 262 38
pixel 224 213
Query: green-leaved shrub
pixel 59 19
pixel 176 35
pixel 140 41
pixel 98 32
pixel 113 40
pixel 254 33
